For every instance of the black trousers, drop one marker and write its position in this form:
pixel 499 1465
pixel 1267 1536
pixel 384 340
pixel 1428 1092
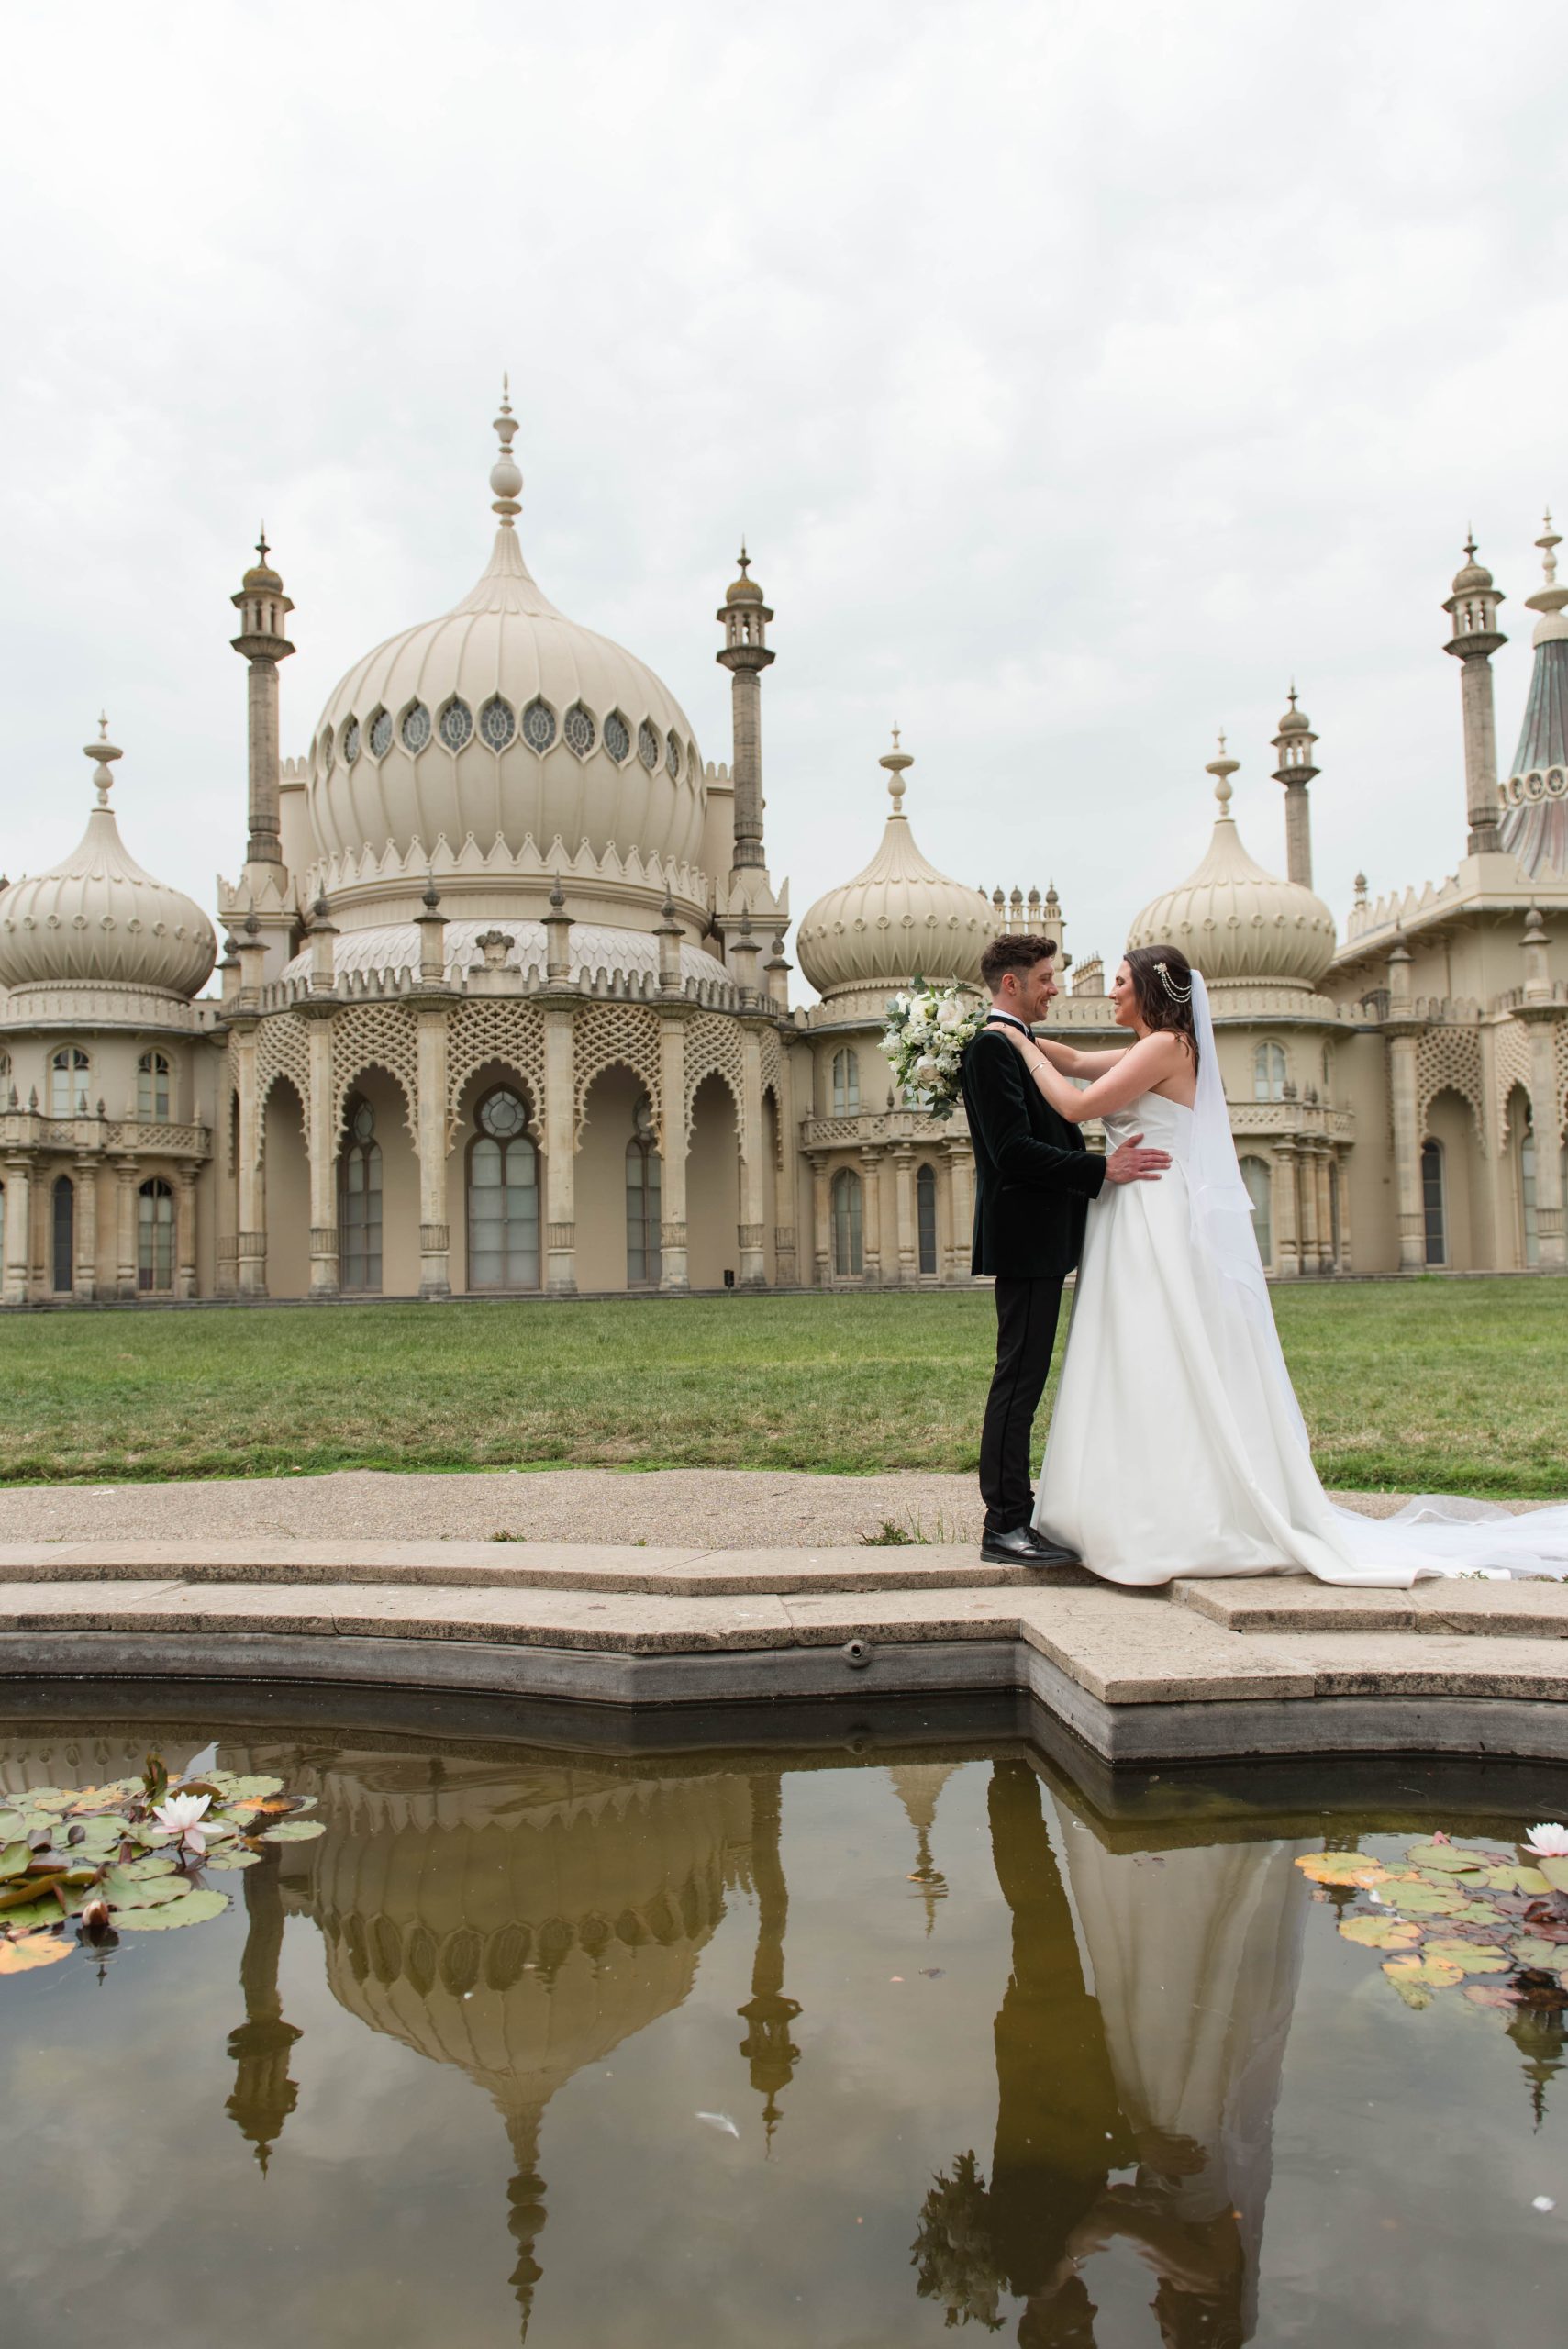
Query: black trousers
pixel 1027 1314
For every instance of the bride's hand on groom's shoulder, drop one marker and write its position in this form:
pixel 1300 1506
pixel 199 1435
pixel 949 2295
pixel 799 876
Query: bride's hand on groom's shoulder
pixel 1130 1163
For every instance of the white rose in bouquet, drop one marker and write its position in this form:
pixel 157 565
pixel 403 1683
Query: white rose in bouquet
pixel 949 1013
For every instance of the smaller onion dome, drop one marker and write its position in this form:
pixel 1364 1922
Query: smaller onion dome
pixel 1294 721
pixel 899 919
pixel 745 589
pixel 1471 574
pixel 1233 921
pixel 96 918
pixel 261 574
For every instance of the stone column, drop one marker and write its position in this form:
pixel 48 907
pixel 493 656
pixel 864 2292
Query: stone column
pixel 1322 1156
pixel 673 1268
pixel 251 1237
pixel 435 1228
pixel 1547 1129
pixel 909 1237
pixel 1403 1030
pixel 321 1146
pixel 821 1214
pixel 86 1271
pixel 871 1216
pixel 960 1191
pixel 18 1228
pixel 1307 1192
pixel 1287 1241
pixel 560 1154
pixel 786 1265
pixel 753 1266
pixel 128 1254
pixel 185 1230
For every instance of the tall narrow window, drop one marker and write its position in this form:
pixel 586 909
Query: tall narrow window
pixel 6 1086
pixel 151 1087
pixel 359 1202
pixel 1255 1175
pixel 644 1264
pixel 846 1083
pixel 1335 1217
pixel 154 1238
pixel 925 1217
pixel 68 1072
pixel 1527 1196
pixel 63 1204
pixel 1268 1073
pixel 502 1197
pixel 848 1263
pixel 1433 1202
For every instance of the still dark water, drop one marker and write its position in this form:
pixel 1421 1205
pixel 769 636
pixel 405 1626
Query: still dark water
pixel 982 2038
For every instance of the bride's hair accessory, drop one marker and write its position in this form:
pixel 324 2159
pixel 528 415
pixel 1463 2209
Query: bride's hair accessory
pixel 1177 994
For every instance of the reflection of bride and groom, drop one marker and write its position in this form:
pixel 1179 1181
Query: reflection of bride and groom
pixel 1155 2049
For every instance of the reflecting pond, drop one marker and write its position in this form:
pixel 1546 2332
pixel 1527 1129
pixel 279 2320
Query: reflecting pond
pixel 845 2042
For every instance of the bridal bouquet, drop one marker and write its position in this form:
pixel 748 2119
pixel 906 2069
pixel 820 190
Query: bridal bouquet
pixel 924 1036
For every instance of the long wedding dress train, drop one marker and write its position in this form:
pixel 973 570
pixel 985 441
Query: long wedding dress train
pixel 1177 1445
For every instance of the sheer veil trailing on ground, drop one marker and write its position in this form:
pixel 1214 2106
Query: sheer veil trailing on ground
pixel 1173 1346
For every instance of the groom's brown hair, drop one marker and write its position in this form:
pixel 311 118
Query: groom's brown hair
pixel 1015 951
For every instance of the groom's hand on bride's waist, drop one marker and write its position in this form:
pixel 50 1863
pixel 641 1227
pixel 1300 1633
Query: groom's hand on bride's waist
pixel 1130 1163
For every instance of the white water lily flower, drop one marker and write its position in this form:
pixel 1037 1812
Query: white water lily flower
pixel 1549 1841
pixel 182 1815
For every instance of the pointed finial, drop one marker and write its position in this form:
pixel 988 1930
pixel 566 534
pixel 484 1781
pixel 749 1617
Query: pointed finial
pixel 431 896
pixel 1549 542
pixel 252 926
pixel 263 548
pixel 103 753
pixel 1470 540
pixel 505 477
pixel 558 895
pixel 1223 767
pixel 1360 888
pixel 745 558
pixel 1549 597
pixel 895 761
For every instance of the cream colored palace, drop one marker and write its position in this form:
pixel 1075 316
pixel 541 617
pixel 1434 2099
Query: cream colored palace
pixel 504 1003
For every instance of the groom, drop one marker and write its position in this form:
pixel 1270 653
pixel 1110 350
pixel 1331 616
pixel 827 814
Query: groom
pixel 1034 1180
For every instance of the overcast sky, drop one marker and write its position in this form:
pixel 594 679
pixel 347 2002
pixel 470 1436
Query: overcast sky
pixel 1078 374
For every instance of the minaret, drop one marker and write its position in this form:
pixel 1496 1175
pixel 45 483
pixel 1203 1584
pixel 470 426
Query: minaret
pixel 1477 636
pixel 262 607
pixel 768 2013
pixel 918 1784
pixel 745 654
pixel 1295 743
pixel 263 2093
pixel 1534 824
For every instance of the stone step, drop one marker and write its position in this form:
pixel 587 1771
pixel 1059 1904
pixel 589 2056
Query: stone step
pixel 1448 1606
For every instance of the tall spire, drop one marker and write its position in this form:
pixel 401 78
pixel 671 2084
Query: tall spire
pixel 744 617
pixel 768 2013
pixel 263 607
pixel 1473 605
pixel 1535 811
pixel 897 764
pixel 1223 767
pixel 264 2094
pixel 505 475
pixel 1295 744
pixel 917 1785
pixel 103 753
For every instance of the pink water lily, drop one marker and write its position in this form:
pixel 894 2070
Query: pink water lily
pixel 1548 1842
pixel 182 1816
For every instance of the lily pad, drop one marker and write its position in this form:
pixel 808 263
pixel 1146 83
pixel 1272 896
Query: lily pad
pixel 1426 1900
pixel 1556 1874
pixel 191 1909
pixel 1514 1879
pixel 36 1912
pixel 1471 1957
pixel 124 1891
pixel 1453 1859
pixel 1415 1994
pixel 231 1860
pixel 1380 1932
pixel 240 1787
pixel 37 1949
pixel 293 1831
pixel 1530 1950
pixel 15 1856
pixel 1341 1868
pixel 1435 1973
pixel 12 1824
pixel 149 1864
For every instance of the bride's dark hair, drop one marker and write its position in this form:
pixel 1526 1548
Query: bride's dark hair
pixel 1162 982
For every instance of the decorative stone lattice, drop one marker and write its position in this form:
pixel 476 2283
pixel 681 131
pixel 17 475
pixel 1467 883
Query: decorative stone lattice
pixel 377 1035
pixel 606 1034
pixel 1511 1067
pixel 1448 1059
pixel 1560 1042
pixel 500 1030
pixel 714 1047
pixel 283 1049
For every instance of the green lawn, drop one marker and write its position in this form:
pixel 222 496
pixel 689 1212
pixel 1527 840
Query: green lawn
pixel 1429 1385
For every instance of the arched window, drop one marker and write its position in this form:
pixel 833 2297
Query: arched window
pixel 63 1233
pixel 152 1087
pixel 644 1264
pixel 848 1263
pixel 1433 1206
pixel 68 1072
pixel 1260 1190
pixel 846 1082
pixel 358 1201
pixel 154 1237
pixel 925 1217
pixel 503 1195
pixel 1268 1073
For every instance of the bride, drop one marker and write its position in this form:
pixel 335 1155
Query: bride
pixel 1177 1445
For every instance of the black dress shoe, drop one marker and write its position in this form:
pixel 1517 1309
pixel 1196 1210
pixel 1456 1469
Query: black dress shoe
pixel 1016 1547
pixel 1050 1552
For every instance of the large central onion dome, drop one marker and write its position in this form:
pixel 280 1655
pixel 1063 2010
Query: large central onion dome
pixel 97 919
pixel 503 722
pixel 897 920
pixel 1234 922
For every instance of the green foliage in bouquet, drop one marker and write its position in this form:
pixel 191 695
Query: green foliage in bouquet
pixel 923 1037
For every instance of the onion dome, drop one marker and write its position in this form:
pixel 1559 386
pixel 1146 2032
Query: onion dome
pixel 97 919
pixel 1233 921
pixel 1534 824
pixel 503 721
pixel 1471 574
pixel 899 919
pixel 1294 721
pixel 261 573
pixel 744 590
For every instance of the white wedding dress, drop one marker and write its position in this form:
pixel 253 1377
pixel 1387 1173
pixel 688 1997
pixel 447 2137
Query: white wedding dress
pixel 1177 1445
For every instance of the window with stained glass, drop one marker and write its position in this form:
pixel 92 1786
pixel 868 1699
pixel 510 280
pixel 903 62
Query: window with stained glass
pixel 578 729
pixel 648 746
pixel 502 1197
pixel 380 733
pixel 350 741
pixel 498 724
pixel 416 726
pixel 539 726
pixel 359 1202
pixel 618 738
pixel 456 725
